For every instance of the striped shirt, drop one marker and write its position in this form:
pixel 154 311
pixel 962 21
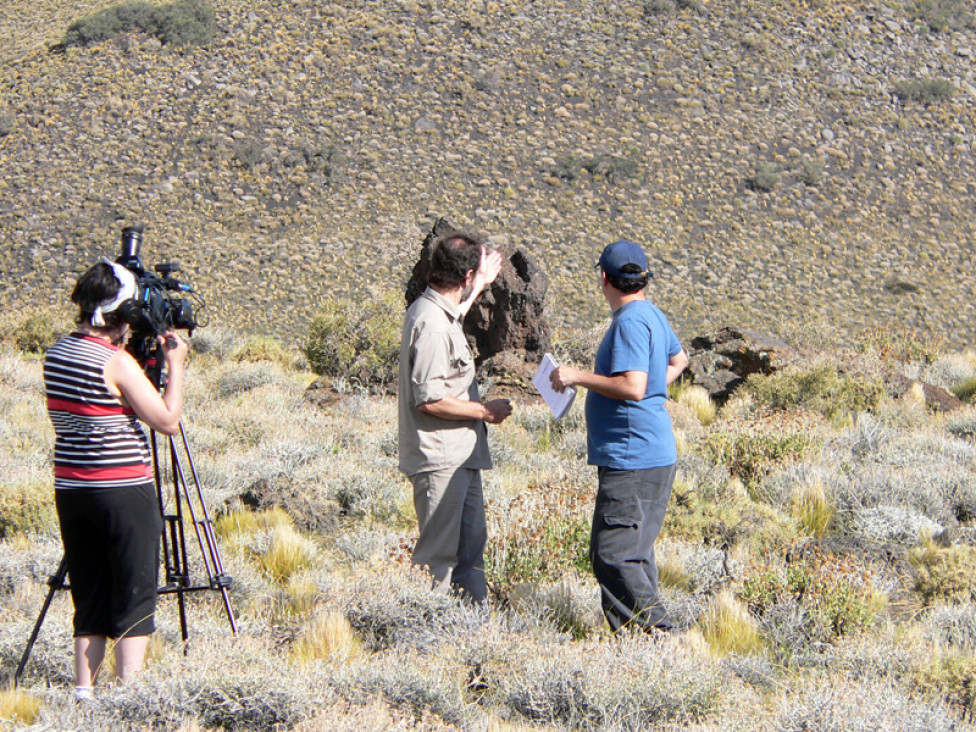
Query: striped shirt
pixel 98 441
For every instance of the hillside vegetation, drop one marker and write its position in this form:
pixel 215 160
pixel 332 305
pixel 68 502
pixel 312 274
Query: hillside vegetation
pixel 817 557
pixel 778 159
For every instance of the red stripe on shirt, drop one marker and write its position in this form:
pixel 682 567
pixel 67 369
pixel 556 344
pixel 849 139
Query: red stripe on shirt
pixel 120 472
pixel 87 410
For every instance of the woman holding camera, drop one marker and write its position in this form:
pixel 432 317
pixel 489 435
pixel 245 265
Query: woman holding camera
pixel 104 489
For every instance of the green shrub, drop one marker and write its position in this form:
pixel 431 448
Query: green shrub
pixel 26 508
pixel 605 167
pixel 35 333
pixel 926 91
pixel 836 594
pixel 658 7
pixel 809 172
pixel 182 23
pixel 953 678
pixel 943 574
pixel 698 514
pixel 358 340
pixel 902 345
pixel 765 179
pixel 262 348
pixel 567 167
pixel 751 456
pixel 324 158
pixel 248 154
pixel 942 15
pixel 541 533
pixel 610 167
pixel 966 390
pixel 820 388
pixel 6 124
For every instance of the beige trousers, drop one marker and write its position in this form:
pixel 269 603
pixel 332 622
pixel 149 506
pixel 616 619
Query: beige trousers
pixel 451 512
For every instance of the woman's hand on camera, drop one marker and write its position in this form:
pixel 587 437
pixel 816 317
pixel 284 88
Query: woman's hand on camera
pixel 174 348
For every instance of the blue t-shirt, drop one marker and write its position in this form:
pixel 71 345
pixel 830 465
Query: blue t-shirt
pixel 633 435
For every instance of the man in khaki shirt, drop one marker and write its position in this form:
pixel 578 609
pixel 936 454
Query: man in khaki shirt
pixel 443 439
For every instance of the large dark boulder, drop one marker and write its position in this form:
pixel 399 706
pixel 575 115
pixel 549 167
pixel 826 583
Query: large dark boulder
pixel 509 315
pixel 723 360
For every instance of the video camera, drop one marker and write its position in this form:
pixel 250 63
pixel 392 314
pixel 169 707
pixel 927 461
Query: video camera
pixel 156 308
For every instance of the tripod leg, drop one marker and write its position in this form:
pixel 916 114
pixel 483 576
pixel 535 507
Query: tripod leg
pixel 206 538
pixel 55 583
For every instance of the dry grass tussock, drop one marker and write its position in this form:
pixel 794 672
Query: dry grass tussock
pixel 787 533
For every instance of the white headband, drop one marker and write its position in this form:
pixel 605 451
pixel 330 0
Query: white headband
pixel 127 291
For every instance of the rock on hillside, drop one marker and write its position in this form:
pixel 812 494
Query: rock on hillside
pixel 781 162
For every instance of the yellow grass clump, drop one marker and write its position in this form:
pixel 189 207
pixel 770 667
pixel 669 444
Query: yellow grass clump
pixel 287 552
pixel 328 637
pixel 19 707
pixel 239 526
pixel 728 628
pixel 812 508
pixel 696 398
pixel 671 573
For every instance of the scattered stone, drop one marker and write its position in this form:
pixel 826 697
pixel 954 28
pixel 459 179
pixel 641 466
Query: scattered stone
pixel 720 362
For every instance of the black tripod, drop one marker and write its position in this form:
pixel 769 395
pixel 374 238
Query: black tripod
pixel 167 464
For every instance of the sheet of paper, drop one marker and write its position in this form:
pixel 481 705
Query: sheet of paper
pixel 559 401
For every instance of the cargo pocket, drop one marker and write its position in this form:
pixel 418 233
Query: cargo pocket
pixel 616 521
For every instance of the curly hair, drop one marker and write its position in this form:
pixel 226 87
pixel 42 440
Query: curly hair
pixel 451 259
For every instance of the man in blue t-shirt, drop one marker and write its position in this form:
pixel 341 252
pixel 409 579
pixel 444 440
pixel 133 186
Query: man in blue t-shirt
pixel 629 439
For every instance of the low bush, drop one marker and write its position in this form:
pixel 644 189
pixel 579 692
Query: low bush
pixel 33 333
pixel 262 348
pixel 611 167
pixel 836 594
pixel 631 684
pixel 925 91
pixel 556 604
pixel 658 7
pixel 752 455
pixel 943 574
pixel 966 390
pixel 246 378
pixel 248 154
pixel 765 179
pixel 943 15
pixel 809 172
pixel 953 678
pixel 901 345
pixel 821 388
pixel 600 166
pixel 722 519
pixel 182 23
pixel 357 340
pixel 538 535
pixel 26 508
pixel 315 157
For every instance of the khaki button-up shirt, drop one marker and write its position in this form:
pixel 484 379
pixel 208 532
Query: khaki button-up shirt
pixel 436 361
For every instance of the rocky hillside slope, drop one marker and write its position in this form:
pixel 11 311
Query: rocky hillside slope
pixel 783 162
